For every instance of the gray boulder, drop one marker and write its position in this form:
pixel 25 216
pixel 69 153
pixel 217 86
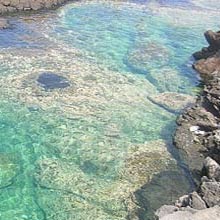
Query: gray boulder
pixel 196 201
pixel 210 192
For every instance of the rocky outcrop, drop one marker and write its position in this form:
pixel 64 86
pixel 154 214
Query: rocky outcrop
pixel 198 132
pixel 198 138
pixel 8 6
pixel 198 204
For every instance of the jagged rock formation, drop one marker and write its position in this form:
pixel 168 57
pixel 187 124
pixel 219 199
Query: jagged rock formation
pixel 198 133
pixel 201 204
pixel 8 6
pixel 198 138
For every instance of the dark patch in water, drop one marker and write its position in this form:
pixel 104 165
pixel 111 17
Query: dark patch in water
pixel 164 188
pixel 89 167
pixel 52 81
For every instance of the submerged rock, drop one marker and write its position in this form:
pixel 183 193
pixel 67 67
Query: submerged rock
pixel 167 79
pixel 8 170
pixel 147 54
pixel 172 101
pixel 52 81
pixel 4 23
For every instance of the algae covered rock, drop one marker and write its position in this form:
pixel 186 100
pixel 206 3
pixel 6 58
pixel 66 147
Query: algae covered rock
pixel 148 54
pixel 8 169
pixel 167 79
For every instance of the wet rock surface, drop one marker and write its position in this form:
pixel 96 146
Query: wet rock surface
pixel 8 169
pixel 197 137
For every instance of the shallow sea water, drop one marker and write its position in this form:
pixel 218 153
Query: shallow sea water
pixel 85 151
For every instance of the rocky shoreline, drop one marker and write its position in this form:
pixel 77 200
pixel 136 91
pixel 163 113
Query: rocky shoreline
pixel 198 133
pixel 198 139
pixel 10 6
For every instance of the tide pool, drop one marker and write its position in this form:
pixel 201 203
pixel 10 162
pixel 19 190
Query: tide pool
pixel 85 150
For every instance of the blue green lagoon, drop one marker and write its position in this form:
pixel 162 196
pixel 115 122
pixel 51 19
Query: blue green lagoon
pixel 89 95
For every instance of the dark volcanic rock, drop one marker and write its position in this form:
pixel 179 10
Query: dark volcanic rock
pixel 204 53
pixel 52 81
pixel 208 67
pixel 213 38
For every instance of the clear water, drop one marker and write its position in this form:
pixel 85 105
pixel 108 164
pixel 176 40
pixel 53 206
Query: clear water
pixel 81 152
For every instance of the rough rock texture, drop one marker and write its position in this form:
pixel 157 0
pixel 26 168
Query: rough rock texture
pixel 198 133
pixel 205 214
pixel 8 6
pixel 198 138
pixel 198 204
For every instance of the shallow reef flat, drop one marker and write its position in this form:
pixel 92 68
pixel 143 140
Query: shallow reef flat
pixel 80 136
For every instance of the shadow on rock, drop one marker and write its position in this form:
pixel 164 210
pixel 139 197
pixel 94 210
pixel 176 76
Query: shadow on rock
pixel 164 188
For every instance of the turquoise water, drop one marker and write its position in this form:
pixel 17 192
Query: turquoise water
pixel 83 151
